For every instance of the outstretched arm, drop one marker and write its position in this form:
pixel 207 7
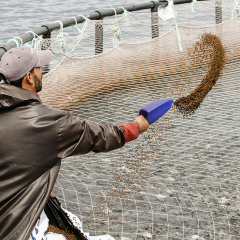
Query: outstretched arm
pixel 79 137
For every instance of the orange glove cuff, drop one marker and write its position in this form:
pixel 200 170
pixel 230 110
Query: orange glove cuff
pixel 131 131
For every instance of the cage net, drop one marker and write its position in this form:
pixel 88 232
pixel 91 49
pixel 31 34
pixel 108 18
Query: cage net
pixel 179 180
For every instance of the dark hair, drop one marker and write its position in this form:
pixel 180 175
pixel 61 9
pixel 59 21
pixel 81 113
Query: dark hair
pixel 2 78
pixel 17 83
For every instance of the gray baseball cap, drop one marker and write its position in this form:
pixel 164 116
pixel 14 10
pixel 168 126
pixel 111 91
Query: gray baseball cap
pixel 17 62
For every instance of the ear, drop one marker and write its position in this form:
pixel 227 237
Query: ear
pixel 29 78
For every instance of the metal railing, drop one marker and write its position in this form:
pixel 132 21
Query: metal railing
pixel 46 30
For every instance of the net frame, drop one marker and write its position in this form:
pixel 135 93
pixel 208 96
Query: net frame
pixel 173 182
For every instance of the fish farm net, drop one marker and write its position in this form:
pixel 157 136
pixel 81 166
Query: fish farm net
pixel 180 179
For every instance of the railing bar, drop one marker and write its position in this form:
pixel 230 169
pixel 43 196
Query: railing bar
pixel 47 29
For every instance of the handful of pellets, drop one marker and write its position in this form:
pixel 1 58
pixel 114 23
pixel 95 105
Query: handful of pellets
pixel 208 50
pixel 67 234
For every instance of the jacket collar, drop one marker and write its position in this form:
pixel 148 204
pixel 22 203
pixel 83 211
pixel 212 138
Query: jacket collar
pixel 11 96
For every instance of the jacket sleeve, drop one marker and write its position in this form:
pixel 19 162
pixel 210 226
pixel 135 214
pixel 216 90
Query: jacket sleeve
pixel 79 137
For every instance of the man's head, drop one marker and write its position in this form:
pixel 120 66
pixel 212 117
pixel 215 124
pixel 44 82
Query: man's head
pixel 21 67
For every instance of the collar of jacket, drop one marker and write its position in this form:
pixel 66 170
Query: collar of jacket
pixel 11 96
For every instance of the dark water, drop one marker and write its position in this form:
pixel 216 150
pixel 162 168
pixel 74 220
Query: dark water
pixel 18 17
pixel 186 185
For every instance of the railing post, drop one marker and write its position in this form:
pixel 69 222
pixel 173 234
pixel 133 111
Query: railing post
pixel 98 36
pixel 154 21
pixel 46 68
pixel 47 35
pixel 218 11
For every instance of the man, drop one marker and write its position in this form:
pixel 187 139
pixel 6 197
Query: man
pixel 34 139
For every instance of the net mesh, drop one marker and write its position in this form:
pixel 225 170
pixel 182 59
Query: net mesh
pixel 180 180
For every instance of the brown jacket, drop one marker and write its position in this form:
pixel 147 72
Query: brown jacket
pixel 33 140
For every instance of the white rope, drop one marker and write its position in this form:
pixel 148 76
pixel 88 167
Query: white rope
pixel 192 5
pixel 75 27
pixel 236 8
pixel 21 41
pixel 125 14
pixel 61 36
pixel 116 29
pixel 36 41
pixel 85 18
pixel 16 41
pixel 177 31
pixel 169 13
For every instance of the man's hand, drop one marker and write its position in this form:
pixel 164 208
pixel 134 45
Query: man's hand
pixel 143 123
